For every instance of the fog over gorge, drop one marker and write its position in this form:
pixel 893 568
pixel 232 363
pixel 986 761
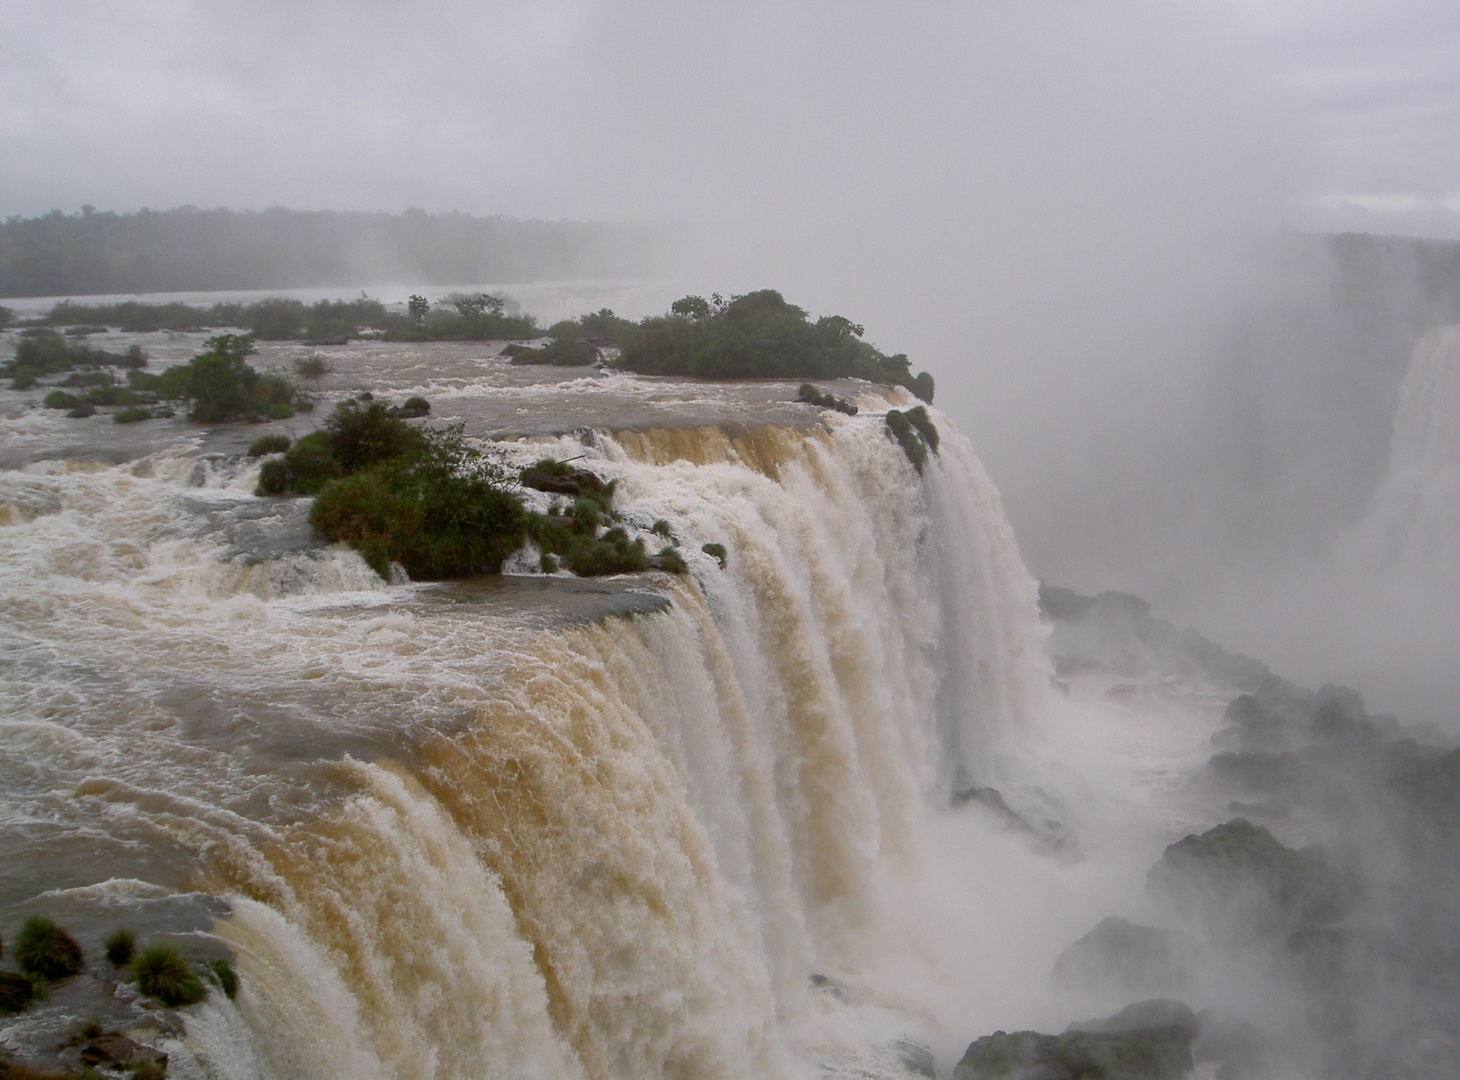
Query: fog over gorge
pixel 692 691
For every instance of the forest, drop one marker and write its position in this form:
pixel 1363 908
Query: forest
pixel 190 249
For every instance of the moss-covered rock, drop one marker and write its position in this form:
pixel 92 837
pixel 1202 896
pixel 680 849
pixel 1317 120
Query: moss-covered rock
pixel 1150 1040
pixel 1241 880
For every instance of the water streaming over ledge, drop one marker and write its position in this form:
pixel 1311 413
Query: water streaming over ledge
pixel 528 828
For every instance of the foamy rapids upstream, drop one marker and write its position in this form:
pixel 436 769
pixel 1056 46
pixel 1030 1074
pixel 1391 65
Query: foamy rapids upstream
pixel 658 826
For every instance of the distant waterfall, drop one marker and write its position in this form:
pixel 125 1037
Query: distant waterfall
pixel 616 849
pixel 1415 519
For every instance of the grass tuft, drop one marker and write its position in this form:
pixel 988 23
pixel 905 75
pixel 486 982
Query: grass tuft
pixel 120 948
pixel 162 973
pixel 44 949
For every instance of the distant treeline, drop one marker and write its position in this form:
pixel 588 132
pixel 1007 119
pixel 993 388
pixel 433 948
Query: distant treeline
pixel 468 317
pixel 187 249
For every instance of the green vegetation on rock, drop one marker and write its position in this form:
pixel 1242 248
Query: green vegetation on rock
pixel 44 949
pixel 576 342
pixel 224 975
pixel 915 432
pixel 1241 878
pixel 1150 1040
pixel 268 444
pixel 221 386
pixel 120 948
pixel 812 396
pixel 42 351
pixel 440 510
pixel 164 974
pixel 760 335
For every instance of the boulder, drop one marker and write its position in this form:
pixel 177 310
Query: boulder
pixel 118 1051
pixel 1150 1040
pixel 15 992
pixel 1240 880
pixel 556 478
pixel 1135 958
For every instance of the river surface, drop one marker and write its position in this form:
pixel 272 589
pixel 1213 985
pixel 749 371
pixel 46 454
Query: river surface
pixel 648 826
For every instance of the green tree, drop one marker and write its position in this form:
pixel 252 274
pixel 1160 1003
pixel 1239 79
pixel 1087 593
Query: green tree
pixel 419 307
pixel 691 307
pixel 222 386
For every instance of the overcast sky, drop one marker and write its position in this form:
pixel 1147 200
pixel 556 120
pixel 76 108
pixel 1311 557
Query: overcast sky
pixel 514 107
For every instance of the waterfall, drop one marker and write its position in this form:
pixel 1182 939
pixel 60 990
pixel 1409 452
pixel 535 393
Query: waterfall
pixel 455 843
pixel 1415 517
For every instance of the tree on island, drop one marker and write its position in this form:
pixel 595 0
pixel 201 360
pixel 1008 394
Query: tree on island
pixel 760 336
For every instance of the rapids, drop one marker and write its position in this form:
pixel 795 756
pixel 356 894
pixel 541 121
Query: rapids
pixel 651 827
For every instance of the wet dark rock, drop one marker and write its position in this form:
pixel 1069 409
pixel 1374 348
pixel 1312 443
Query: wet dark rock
pixel 114 1050
pixel 1259 772
pixel 556 478
pixel 1050 835
pixel 1150 1040
pixel 1115 633
pixel 1237 1042
pixel 413 408
pixel 1135 958
pixel 831 988
pixel 1269 808
pixel 913 1056
pixel 16 992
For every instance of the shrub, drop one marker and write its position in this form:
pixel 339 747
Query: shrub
pixel 221 386
pixel 44 949
pixel 16 992
pixel 661 528
pixel 120 948
pixel 81 412
pixel 440 512
pixel 364 434
pixel 923 423
pixel 304 470
pixel 59 399
pixel 671 561
pixel 162 973
pixel 718 552
pixel 311 367
pixel 812 396
pixel 548 563
pixel 612 553
pixel 758 335
pixel 225 976
pixel 902 430
pixel 132 415
pixel 268 444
